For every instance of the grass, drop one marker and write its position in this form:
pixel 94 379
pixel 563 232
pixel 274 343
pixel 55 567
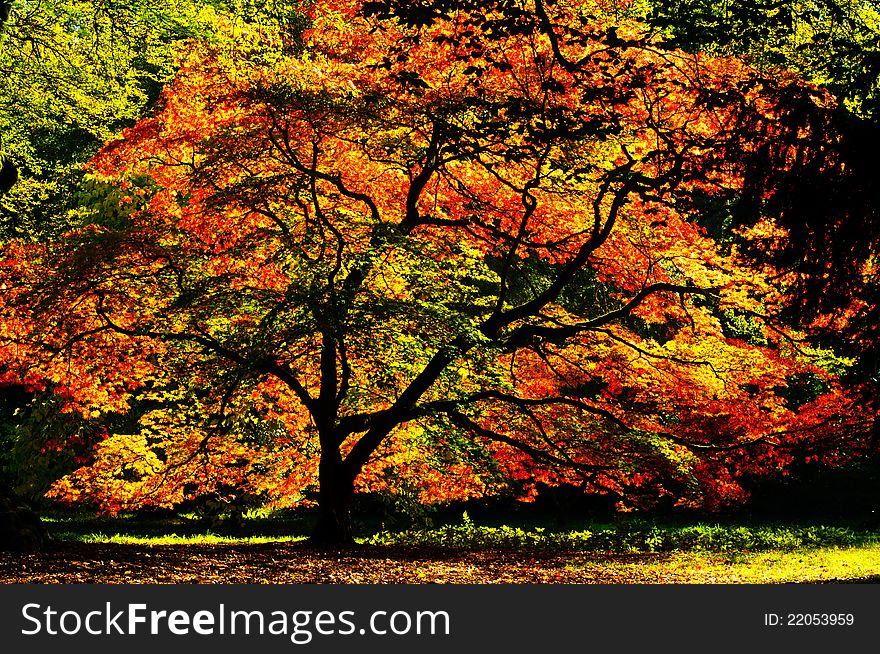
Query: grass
pixel 625 536
pixel 633 537
pixel 803 566
pixel 180 529
pixel 175 539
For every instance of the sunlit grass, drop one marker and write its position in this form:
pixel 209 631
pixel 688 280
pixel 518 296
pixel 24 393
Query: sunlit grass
pixel 633 538
pixel 175 539
pixel 802 566
pixel 630 553
pixel 814 564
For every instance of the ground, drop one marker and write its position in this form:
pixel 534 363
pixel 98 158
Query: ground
pixel 295 563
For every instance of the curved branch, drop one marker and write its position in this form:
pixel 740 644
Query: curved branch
pixel 526 333
pixel 464 422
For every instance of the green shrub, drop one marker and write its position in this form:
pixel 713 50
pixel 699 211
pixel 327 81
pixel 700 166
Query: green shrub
pixel 628 538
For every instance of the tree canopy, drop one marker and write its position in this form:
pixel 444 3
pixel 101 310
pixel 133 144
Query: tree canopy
pixel 446 248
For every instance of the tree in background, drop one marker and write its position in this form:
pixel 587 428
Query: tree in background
pixel 452 248
pixel 834 43
pixel 74 72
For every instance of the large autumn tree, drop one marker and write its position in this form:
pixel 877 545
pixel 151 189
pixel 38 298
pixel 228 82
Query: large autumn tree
pixel 439 247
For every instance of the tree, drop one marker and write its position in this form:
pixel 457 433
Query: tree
pixel 835 43
pixel 75 72
pixel 446 249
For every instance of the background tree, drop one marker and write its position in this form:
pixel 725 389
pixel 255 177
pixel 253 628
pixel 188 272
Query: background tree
pixel 73 74
pixel 835 43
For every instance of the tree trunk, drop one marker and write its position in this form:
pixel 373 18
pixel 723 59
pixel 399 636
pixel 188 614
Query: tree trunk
pixel 335 493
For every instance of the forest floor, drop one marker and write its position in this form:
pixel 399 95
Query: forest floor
pixel 296 563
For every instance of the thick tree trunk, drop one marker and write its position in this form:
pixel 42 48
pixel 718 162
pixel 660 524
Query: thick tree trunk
pixel 334 504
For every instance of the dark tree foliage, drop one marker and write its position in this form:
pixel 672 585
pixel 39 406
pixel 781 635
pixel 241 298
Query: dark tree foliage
pixel 834 42
pixel 8 176
pixel 20 527
pixel 829 199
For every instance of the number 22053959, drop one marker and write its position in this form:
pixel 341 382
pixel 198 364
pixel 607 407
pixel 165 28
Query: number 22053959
pixel 809 619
